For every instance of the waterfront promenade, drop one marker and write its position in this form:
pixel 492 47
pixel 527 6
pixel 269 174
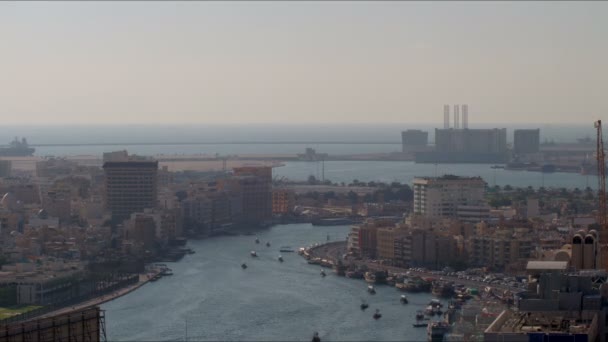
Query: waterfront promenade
pixel 335 250
pixel 143 279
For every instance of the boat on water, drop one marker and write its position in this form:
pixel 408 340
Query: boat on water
pixel 267 244
pixel 403 299
pixel 254 254
pixel 316 338
pixel 437 330
pixel 167 272
pixel 286 249
pixel 434 307
pixel 371 289
pixel 435 303
pixel 419 315
pixel 243 265
pixel 442 289
pixel 420 324
pixel 280 258
pixel 364 305
pixel 17 148
pixel 377 314
pixel 323 273
pixel 370 277
pixel 257 240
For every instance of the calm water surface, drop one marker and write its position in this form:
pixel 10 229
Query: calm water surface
pixel 405 171
pixel 210 297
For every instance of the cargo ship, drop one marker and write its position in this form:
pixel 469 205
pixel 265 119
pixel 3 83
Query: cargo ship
pixel 17 149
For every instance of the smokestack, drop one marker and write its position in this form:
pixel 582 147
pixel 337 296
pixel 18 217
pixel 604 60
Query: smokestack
pixel 465 116
pixel 456 117
pixel 446 116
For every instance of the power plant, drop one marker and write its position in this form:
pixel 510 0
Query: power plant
pixel 461 144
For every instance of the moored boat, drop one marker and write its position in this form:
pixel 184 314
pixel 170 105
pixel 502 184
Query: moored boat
pixel 436 331
pixel 371 289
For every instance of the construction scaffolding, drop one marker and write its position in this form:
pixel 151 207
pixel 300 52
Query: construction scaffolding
pixel 87 325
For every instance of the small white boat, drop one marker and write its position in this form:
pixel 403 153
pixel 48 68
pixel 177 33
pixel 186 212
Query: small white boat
pixel 323 273
pixel 254 254
pixel 403 299
pixel 371 289
pixel 280 258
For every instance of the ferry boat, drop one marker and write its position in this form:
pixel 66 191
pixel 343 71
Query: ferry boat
pixel 436 331
pixel 254 254
pixel 286 249
pixel 371 289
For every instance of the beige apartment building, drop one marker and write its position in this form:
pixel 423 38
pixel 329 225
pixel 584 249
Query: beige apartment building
pixel 443 196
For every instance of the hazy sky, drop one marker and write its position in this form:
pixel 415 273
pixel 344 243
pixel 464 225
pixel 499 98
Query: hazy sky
pixel 302 62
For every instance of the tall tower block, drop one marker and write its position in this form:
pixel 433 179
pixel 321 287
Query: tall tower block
pixel 465 116
pixel 446 116
pixel 456 116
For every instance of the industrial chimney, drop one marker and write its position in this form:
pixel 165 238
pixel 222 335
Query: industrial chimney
pixel 465 116
pixel 446 116
pixel 456 117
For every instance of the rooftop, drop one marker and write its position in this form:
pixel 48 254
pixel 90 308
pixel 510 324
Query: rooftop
pixel 547 265
pixel 539 322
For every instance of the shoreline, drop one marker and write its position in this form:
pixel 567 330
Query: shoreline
pixel 143 279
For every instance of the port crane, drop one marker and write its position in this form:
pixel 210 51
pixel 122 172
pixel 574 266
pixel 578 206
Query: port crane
pixel 600 157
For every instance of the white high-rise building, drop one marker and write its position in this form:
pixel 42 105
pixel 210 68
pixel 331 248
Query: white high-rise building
pixel 442 196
